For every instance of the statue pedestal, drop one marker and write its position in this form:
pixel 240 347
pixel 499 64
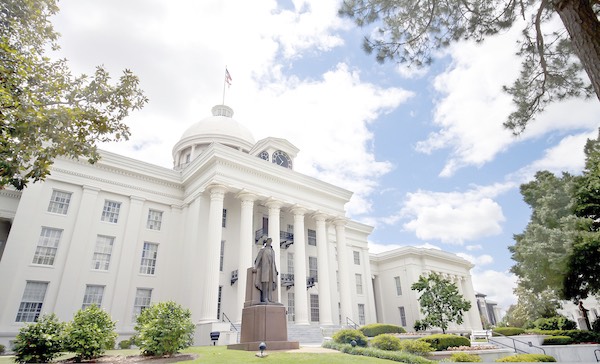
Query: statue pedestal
pixel 262 322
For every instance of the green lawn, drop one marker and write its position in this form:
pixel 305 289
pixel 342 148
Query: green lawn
pixel 220 354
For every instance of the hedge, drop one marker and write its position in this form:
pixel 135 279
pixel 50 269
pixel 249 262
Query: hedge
pixel 578 336
pixel 346 336
pixel 557 340
pixel 377 353
pixel 508 331
pixel 443 341
pixel 385 342
pixel 526 358
pixel 373 330
pixel 465 358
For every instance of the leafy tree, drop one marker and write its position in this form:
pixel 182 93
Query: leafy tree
pixel 552 60
pixel 164 328
pixel 540 252
pixel 440 301
pixel 45 111
pixel 91 333
pixel 41 341
pixel 582 276
pixel 530 307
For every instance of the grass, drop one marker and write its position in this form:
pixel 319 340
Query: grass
pixel 220 354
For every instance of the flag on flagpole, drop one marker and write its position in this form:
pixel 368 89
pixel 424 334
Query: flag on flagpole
pixel 228 78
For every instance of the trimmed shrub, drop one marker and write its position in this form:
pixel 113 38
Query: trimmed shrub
pixel 554 323
pixel 90 334
pixel 125 344
pixel 578 336
pixel 373 330
pixel 465 358
pixel 420 325
pixel 385 342
pixel 345 336
pixel 398 356
pixel 41 341
pixel 596 325
pixel 416 347
pixel 526 358
pixel 164 328
pixel 2 349
pixel 557 340
pixel 508 331
pixel 443 341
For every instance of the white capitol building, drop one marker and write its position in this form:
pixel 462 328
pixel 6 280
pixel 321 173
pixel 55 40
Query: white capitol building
pixel 124 234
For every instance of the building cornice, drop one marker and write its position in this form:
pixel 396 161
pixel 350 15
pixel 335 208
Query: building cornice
pixel 411 251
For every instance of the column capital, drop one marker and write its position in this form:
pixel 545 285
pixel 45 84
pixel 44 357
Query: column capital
pixel 216 191
pixel 319 216
pixel 273 203
pixel 136 198
pixel 340 221
pixel 87 188
pixel 246 196
pixel 298 210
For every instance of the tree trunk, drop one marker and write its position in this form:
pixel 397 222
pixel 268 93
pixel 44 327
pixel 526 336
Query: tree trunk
pixel 584 30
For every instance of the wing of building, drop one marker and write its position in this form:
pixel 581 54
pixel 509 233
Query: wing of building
pixel 123 234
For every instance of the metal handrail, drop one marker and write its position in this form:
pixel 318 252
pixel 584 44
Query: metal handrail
pixel 515 341
pixel 596 354
pixel 224 316
pixel 351 323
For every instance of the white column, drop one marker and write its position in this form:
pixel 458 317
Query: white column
pixel 343 272
pixel 300 295
pixel 208 308
pixel 76 248
pixel 274 234
pixel 324 280
pixel 470 296
pixel 244 249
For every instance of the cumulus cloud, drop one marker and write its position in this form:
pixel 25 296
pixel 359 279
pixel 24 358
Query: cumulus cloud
pixel 479 260
pixel 498 286
pixel 455 217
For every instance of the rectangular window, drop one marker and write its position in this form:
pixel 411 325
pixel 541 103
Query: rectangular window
pixel 314 307
pixel 154 219
pixel 149 254
pixel 312 268
pixel 110 212
pixel 356 257
pixel 143 296
pixel 222 255
pixel 312 237
pixel 47 246
pixel 290 263
pixel 398 286
pixel 402 316
pixel 102 252
pixel 59 202
pixel 219 302
pixel 93 296
pixel 359 284
pixel 224 222
pixel 361 314
pixel 32 301
pixel 291 312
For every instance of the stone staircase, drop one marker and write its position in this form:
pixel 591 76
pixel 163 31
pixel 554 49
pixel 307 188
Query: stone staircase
pixel 311 335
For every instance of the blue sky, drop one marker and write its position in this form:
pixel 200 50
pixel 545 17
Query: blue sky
pixel 423 150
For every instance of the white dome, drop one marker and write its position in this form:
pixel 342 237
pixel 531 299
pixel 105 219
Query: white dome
pixel 218 128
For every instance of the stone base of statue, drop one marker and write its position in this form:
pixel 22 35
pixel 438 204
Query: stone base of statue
pixel 262 322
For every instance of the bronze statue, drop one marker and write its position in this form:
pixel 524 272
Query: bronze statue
pixel 584 314
pixel 266 272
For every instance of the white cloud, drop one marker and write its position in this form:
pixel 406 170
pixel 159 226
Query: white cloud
pixel 474 247
pixel 498 286
pixel 455 217
pixel 376 248
pixel 479 260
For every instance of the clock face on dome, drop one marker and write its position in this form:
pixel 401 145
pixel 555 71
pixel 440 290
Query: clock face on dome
pixel 282 159
pixel 264 155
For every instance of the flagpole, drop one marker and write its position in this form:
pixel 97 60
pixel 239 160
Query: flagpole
pixel 224 82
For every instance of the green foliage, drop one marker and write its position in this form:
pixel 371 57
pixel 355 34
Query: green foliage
pixel 578 336
pixel 398 356
pixel 409 32
pixel 508 331
pixel 440 301
pixel 2 349
pixel 465 358
pixel 164 328
pixel 442 342
pixel 416 347
pixel 557 340
pixel 596 325
pixel 526 358
pixel 555 323
pixel 41 341
pixel 345 336
pixel 45 111
pixel 91 333
pixel 385 342
pixel 372 330
pixel 420 325
pixel 125 344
